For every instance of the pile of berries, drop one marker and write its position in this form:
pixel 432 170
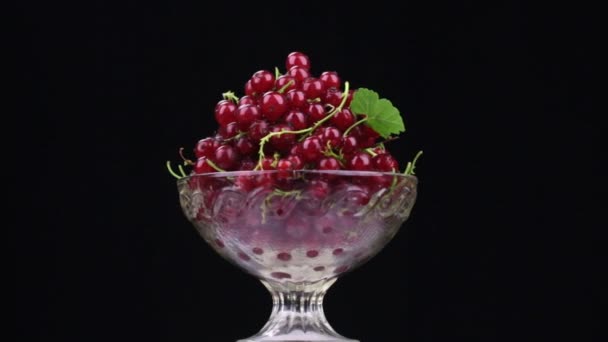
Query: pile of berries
pixel 291 122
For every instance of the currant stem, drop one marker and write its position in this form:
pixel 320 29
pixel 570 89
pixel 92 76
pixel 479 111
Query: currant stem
pixel 354 125
pixel 171 170
pixel 277 73
pixel 230 96
pixel 283 88
pixel 212 164
pixel 409 170
pixel 181 170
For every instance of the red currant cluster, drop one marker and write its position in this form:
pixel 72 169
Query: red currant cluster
pixel 291 122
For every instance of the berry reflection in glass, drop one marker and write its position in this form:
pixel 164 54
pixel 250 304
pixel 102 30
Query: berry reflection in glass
pixel 297 231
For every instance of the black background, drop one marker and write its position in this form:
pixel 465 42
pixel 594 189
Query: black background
pixel 495 93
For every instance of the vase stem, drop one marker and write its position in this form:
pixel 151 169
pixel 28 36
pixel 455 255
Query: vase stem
pixel 297 314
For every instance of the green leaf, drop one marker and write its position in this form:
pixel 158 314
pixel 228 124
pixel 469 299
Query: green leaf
pixel 382 116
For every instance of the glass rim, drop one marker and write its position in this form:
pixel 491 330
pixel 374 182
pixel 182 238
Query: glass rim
pixel 226 174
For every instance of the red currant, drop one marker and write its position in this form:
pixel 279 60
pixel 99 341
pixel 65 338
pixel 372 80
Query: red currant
pixel 244 146
pixel 273 105
pixel 284 141
pixel 385 162
pixel 297 59
pixel 329 163
pixel 299 74
pixel 296 119
pixel 226 157
pixel 315 111
pixel 206 147
pixel 360 161
pixel 313 88
pixel 333 96
pixel 258 130
pixel 343 119
pixel 296 99
pixel 229 131
pixel 224 112
pixel 246 115
pixel 330 79
pixel 312 149
pixel 262 81
pixel 332 136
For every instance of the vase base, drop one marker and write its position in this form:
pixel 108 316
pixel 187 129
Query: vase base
pixel 297 337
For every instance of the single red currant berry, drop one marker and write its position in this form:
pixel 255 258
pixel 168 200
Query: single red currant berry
pixel 268 163
pixel 262 81
pixel 258 130
pixel 247 100
pixel 360 161
pixel 202 166
pixel 284 141
pixel 224 112
pixel 296 99
pixel 229 131
pixel 244 146
pixel 385 162
pixel 246 115
pixel 330 79
pixel 284 167
pixel 329 163
pixel 343 119
pixel 296 119
pixel 313 88
pixel 273 105
pixel 206 147
pixel 349 144
pixel 296 162
pixel 283 81
pixel 316 112
pixel 297 59
pixel 333 96
pixel 299 74
pixel 312 149
pixel 332 136
pixel 226 157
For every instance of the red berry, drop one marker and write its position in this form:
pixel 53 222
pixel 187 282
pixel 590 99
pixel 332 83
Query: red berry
pixel 206 147
pixel 262 81
pixel 299 74
pixel 313 88
pixel 312 149
pixel 273 105
pixel 224 112
pixel 296 162
pixel 258 130
pixel 343 119
pixel 385 162
pixel 330 79
pixel 316 112
pixel 226 157
pixel 247 100
pixel 296 119
pixel 202 166
pixel 229 131
pixel 349 144
pixel 329 163
pixel 284 141
pixel 333 96
pixel 244 146
pixel 246 115
pixel 296 99
pixel 332 136
pixel 283 81
pixel 246 165
pixel 360 161
pixel 297 59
